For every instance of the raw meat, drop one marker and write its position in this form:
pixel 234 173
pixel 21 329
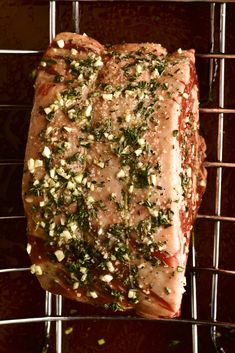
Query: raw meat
pixel 114 173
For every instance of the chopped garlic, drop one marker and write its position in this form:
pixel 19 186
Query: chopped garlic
pixel 106 278
pixel 100 231
pixel 60 255
pixel 60 43
pixel 107 96
pixel 68 331
pixel 202 183
pixel 52 173
pixel 121 174
pixel 90 200
pixel 78 178
pixel 74 51
pixel 99 62
pixel 138 152
pixel 101 341
pixel 128 118
pixel 139 69
pixel 75 285
pixel 31 165
pixel 29 248
pixel 88 110
pixel 65 235
pixel 110 266
pixel 70 185
pixel 68 129
pixel 46 152
pixel 132 293
pixel 36 269
pixel 47 110
pixel 153 179
pixel 94 294
pixel 185 95
pixel 141 142
pixel 38 163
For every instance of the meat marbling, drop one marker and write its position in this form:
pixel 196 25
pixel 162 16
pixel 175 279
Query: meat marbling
pixel 114 173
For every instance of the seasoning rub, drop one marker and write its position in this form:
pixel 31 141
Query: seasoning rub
pixel 113 173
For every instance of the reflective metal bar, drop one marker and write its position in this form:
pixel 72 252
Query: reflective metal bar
pixel 213 270
pixel 11 217
pixel 219 164
pixel 76 17
pixel 212 47
pixel 18 51
pixel 194 298
pixel 59 324
pixel 4 164
pixel 15 107
pixel 215 56
pixel 31 320
pixel 216 218
pixel 47 330
pixel 52 20
pixel 217 110
pixel 216 252
pixel 20 269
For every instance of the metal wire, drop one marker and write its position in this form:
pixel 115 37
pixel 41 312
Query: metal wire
pixel 20 52
pixel 47 329
pixel 218 192
pixel 48 296
pixel 59 308
pixel 213 58
pixel 76 16
pixel 194 298
pixel 52 20
pixel 30 320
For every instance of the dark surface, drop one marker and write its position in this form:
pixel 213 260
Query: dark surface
pixel 24 25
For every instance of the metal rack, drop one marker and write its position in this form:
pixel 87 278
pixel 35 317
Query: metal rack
pixel 217 218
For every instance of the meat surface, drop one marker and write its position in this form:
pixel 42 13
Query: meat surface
pixel 114 173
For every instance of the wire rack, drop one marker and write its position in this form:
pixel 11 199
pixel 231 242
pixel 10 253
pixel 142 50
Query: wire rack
pixel 56 315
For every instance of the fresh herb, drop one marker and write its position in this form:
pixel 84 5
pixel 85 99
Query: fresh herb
pixel 162 219
pixel 141 177
pixel 75 157
pixel 50 116
pixel 59 78
pixel 34 208
pixel 119 230
pixel 167 290
pixel 70 93
pixel 158 167
pixel 113 307
pixel 48 60
pixel 82 213
pixel 147 203
pixel 180 269
pixel 131 135
pixel 36 189
pixel 117 294
pixel 121 251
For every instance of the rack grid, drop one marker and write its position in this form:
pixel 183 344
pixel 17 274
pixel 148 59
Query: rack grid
pixel 217 218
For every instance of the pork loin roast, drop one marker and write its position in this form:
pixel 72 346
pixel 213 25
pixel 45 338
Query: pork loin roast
pixel 114 173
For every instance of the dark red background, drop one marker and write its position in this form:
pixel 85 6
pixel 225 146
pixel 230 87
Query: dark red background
pixel 24 25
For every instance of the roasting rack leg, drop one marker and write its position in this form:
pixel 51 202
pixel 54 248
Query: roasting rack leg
pixel 218 197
